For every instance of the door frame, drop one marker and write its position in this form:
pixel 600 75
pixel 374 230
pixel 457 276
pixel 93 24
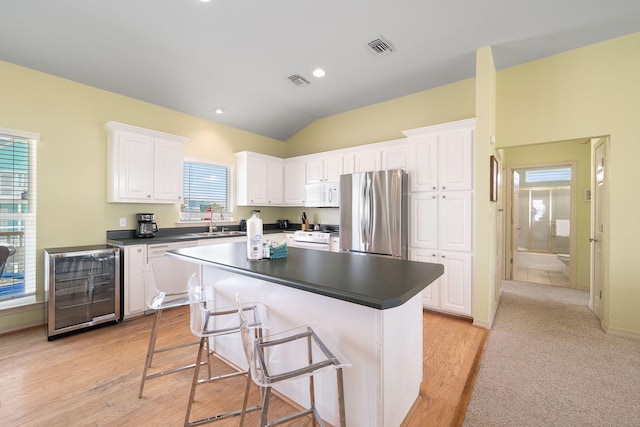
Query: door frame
pixel 508 272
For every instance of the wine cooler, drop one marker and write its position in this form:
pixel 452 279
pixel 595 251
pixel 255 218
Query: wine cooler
pixel 82 285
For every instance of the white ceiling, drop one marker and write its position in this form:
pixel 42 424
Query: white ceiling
pixel 237 54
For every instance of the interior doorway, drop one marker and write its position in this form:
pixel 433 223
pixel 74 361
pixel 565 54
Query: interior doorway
pixel 543 215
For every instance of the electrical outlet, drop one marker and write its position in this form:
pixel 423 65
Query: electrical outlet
pixel 123 222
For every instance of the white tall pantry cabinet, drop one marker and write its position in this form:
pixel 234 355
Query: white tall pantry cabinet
pixel 441 213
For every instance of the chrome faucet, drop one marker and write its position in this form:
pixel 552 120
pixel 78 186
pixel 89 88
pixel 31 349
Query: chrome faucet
pixel 212 225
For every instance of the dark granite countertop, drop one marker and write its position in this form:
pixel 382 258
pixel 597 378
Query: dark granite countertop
pixel 128 238
pixel 371 281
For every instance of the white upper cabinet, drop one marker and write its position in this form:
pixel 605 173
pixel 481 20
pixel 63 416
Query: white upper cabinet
pixel 395 156
pixel 294 182
pixel 144 166
pixel 324 169
pixel 441 157
pixel 260 179
pixel 275 182
pixel 368 160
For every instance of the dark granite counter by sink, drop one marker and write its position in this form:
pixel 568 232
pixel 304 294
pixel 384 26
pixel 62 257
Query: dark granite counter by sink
pixel 371 281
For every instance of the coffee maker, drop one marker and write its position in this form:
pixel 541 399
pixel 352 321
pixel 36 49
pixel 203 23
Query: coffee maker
pixel 147 227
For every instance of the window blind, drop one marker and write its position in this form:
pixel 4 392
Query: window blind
pixel 204 184
pixel 18 212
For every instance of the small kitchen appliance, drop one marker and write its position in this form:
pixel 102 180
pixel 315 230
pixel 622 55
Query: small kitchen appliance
pixel 147 227
pixel 282 224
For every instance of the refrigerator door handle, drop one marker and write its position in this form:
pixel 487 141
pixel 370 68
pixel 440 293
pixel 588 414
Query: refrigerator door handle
pixel 365 224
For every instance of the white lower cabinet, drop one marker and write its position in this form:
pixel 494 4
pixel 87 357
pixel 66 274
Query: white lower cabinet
pixel 135 258
pixel 452 291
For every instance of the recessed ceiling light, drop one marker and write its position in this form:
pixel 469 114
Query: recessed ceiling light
pixel 205 1
pixel 217 110
pixel 319 72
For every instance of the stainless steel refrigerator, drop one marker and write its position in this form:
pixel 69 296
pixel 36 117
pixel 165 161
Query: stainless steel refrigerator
pixel 373 213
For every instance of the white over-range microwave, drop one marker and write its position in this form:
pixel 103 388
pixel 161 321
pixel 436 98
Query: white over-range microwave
pixel 322 194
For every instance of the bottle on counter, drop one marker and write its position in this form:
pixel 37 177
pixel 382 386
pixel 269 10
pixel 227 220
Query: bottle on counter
pixel 254 237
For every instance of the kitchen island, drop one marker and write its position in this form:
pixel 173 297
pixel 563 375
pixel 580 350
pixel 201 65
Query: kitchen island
pixel 369 307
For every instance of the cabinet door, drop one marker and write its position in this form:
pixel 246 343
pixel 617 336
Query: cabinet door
pixel 424 220
pixel 135 257
pixel 256 181
pixel 332 169
pixel 395 158
pixel 294 183
pixel 454 221
pixel 455 284
pixel 135 167
pixel 455 160
pixel 315 170
pixel 168 174
pixel 275 183
pixel 423 166
pixel 367 161
pixel 348 164
pixel 430 295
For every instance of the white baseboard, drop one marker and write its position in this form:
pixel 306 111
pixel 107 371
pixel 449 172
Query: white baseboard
pixel 17 318
pixel 480 324
pixel 620 332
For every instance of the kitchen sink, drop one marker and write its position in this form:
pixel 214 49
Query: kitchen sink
pixel 219 233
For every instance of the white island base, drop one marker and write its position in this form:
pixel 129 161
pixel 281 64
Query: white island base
pixel 384 347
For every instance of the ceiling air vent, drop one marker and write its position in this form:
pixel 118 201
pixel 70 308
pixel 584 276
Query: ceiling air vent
pixel 380 46
pixel 298 80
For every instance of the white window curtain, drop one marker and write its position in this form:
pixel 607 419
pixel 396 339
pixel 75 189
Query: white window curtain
pixel 18 212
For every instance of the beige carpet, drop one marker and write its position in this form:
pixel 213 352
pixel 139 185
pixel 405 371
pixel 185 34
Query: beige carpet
pixel 547 362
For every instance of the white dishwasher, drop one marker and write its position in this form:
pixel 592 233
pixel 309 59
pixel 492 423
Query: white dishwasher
pixel 171 274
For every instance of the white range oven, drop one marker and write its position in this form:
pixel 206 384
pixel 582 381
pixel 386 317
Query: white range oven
pixel 319 240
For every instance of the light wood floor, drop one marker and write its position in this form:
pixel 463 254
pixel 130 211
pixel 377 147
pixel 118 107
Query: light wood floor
pixel 92 378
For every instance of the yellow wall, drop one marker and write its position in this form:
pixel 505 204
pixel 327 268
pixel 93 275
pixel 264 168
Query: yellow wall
pixel 583 93
pixel 386 121
pixel 72 178
pixel 485 300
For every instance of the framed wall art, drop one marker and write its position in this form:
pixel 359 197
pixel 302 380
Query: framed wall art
pixel 493 180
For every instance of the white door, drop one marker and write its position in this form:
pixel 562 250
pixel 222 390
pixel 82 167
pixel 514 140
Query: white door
pixel 455 284
pixel 454 221
pixel 515 224
pixel 499 242
pixel 430 295
pixel 275 183
pixel 257 182
pixel 455 160
pixel 598 232
pixel 168 167
pixel 135 167
pixel 424 220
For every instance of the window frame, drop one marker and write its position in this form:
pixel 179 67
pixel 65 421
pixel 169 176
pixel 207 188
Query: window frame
pixel 30 219
pixel 229 211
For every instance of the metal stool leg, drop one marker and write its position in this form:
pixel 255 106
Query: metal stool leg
pixel 341 397
pixel 265 406
pixel 150 350
pixel 194 382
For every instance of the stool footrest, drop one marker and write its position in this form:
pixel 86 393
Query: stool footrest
pixel 222 416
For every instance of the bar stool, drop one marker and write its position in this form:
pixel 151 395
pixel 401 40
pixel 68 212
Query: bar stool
pixel 266 372
pixel 208 322
pixel 161 301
